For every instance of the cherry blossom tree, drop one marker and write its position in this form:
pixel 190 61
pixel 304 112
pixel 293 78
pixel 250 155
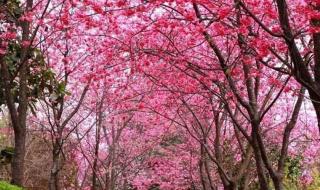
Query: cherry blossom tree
pixel 17 37
pixel 165 94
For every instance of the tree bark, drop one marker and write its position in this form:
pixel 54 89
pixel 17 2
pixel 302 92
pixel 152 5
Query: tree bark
pixel 19 115
pixel 263 182
pixel 206 180
pixel 97 145
pixel 17 165
pixel 54 183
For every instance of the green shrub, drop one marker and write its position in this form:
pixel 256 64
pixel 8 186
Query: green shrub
pixel 6 186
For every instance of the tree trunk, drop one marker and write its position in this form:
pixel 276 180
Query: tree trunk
pixel 202 177
pixel 99 119
pixel 316 104
pixel 18 120
pixel 260 155
pixel 259 163
pixel 17 165
pixel 244 185
pixel 54 175
pixel 96 155
pixel 54 182
pixel 19 114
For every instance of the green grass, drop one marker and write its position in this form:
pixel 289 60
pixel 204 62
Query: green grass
pixel 6 186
